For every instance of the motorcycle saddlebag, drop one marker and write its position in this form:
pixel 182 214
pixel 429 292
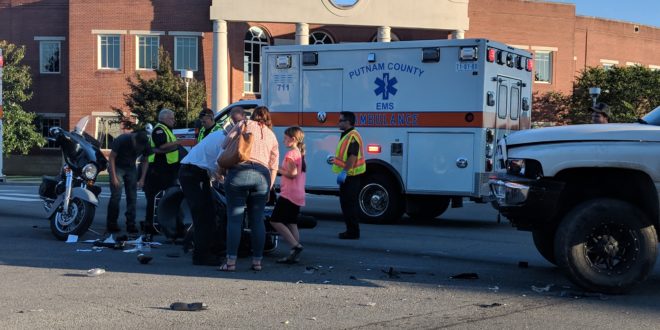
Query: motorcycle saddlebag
pixel 47 187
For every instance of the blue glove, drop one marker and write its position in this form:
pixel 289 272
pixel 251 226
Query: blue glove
pixel 341 177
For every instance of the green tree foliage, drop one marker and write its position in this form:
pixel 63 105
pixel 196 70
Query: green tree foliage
pixel 20 134
pixel 167 90
pixel 631 92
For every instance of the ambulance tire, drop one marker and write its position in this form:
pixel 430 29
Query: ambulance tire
pixel 379 200
pixel 426 207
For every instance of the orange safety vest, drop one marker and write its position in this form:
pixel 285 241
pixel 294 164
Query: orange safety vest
pixel 341 154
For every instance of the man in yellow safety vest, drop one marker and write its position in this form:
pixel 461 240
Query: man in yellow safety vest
pixel 349 165
pixel 163 162
pixel 208 124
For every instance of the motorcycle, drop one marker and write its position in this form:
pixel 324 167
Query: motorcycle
pixel 70 198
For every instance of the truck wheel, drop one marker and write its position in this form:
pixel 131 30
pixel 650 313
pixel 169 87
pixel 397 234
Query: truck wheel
pixel 426 207
pixel 606 245
pixel 544 240
pixel 379 199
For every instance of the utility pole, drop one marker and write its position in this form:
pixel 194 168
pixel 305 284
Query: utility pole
pixel 2 64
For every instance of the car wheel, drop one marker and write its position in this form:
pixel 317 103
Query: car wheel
pixel 606 245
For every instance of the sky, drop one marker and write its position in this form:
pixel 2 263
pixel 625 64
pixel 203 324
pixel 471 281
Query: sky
pixel 646 12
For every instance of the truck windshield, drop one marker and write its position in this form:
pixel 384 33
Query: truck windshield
pixel 653 117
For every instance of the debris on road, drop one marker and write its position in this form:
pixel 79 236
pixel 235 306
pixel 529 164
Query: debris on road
pixel 83 250
pixel 144 259
pixel 95 272
pixel 490 305
pixel 369 304
pixel 185 307
pixel 541 289
pixel 72 239
pixel 465 276
pixel 494 289
pixel 310 270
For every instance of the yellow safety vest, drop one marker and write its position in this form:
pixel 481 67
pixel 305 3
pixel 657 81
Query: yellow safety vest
pixel 172 156
pixel 341 154
pixel 203 130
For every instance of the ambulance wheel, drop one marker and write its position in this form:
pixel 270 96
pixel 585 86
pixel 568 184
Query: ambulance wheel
pixel 379 199
pixel 426 207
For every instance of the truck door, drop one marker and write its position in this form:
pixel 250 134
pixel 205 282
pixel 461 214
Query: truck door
pixel 508 106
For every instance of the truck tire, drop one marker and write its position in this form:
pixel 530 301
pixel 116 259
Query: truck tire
pixel 544 240
pixel 606 245
pixel 426 207
pixel 379 199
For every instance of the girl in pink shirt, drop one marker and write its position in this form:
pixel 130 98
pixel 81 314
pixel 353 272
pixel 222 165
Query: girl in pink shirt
pixel 292 193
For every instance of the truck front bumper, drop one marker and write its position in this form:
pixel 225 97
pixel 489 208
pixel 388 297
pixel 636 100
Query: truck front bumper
pixel 527 203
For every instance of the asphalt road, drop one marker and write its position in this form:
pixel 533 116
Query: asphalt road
pixel 395 276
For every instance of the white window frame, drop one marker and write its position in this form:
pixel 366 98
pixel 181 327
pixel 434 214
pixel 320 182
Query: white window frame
pixel 195 56
pixel 105 116
pixel 49 116
pixel 100 52
pixel 139 48
pixel 46 41
pixel 537 66
pixel 320 38
pixel 249 62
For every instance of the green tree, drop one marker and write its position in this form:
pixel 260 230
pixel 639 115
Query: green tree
pixel 630 92
pixel 20 134
pixel 167 90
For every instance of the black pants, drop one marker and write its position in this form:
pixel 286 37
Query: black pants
pixel 197 191
pixel 128 179
pixel 348 198
pixel 157 180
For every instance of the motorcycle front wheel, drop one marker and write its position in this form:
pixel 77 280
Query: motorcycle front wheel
pixel 75 222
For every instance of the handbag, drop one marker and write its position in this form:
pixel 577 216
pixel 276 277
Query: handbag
pixel 238 149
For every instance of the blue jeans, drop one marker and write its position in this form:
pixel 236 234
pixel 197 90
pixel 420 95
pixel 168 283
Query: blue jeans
pixel 246 186
pixel 128 178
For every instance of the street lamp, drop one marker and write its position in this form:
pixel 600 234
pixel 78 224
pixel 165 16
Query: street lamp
pixel 187 76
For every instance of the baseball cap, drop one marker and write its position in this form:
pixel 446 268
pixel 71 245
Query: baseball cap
pixel 206 112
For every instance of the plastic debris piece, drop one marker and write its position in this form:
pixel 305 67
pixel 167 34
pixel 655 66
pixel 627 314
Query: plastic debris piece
pixel 370 304
pixel 143 259
pixel 326 282
pixel 465 276
pixel 299 282
pixel 83 250
pixel 72 239
pixel 313 318
pixel 110 240
pixel 286 322
pixel 541 289
pixel 494 289
pixel 95 272
pixel 490 305
pixel 523 264
pixel 191 307
pixel 309 270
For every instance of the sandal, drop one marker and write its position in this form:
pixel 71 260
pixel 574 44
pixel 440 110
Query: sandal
pixel 256 265
pixel 227 267
pixel 293 257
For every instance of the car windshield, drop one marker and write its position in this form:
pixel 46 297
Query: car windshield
pixel 653 117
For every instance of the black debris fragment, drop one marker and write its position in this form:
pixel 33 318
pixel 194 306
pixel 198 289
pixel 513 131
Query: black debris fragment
pixel 465 276
pixel 192 307
pixel 490 305
pixel 143 259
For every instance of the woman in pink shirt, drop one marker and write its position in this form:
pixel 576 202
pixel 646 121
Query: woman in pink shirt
pixel 292 193
pixel 248 184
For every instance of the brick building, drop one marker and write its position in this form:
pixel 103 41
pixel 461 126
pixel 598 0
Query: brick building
pixel 82 51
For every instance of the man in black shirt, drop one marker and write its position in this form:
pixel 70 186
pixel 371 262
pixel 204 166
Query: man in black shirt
pixel 126 149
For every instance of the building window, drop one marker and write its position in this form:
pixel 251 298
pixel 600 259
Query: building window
pixel 147 52
pixel 543 62
pixel 319 38
pixel 49 57
pixel 255 38
pixel 109 52
pixel 107 129
pixel 46 124
pixel 185 53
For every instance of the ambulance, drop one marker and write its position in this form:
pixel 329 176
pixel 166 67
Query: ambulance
pixel 429 112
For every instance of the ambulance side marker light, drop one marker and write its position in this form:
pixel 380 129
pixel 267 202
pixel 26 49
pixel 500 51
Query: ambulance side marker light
pixel 530 65
pixel 373 148
pixel 490 55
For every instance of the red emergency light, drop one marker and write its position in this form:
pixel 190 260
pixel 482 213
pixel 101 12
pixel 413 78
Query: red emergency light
pixel 530 65
pixel 2 62
pixel 373 149
pixel 490 55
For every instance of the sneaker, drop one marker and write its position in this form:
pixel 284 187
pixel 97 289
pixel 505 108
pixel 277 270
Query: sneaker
pixel 131 228
pixel 347 235
pixel 112 228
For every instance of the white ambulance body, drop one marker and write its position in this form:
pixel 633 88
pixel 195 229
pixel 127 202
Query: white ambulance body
pixel 429 113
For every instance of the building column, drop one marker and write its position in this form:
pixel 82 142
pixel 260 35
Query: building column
pixel 384 34
pixel 220 77
pixel 458 34
pixel 302 34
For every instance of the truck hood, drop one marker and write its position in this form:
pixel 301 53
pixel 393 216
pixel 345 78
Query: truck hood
pixel 590 132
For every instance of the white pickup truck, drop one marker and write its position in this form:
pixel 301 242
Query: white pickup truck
pixel 590 196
